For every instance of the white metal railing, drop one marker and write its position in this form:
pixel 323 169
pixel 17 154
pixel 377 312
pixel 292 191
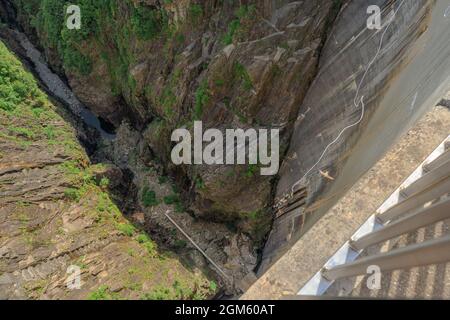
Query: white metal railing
pixel 420 201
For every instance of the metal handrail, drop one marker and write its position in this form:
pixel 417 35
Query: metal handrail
pixel 427 195
pixel 424 217
pixel 414 214
pixel 425 253
pixel 443 158
pixel 423 199
pixel 430 178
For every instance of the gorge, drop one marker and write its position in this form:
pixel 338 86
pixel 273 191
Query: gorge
pixel 137 71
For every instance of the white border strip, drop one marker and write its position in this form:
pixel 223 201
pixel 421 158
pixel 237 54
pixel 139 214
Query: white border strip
pixel 318 285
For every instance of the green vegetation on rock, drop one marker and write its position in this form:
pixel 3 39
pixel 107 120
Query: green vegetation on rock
pixel 98 18
pixel 26 112
pixel 66 207
pixel 149 197
pixel 245 14
pixel 201 100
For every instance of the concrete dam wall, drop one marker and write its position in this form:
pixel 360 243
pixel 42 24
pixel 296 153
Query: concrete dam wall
pixel 371 87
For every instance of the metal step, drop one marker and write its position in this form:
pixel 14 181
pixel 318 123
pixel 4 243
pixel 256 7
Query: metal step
pixel 439 161
pixel 432 193
pixel 424 217
pixel 437 174
pixel 425 253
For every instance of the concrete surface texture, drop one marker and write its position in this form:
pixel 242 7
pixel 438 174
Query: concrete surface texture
pixel 310 253
pixel 392 75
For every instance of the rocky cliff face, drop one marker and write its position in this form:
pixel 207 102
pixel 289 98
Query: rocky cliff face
pixel 57 212
pixel 160 65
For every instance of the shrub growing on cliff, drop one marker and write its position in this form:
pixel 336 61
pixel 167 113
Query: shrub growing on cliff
pixel 245 14
pixel 103 293
pixel 148 197
pixel 242 75
pixel 149 245
pixel 104 183
pixel 16 86
pixel 195 12
pixel 172 199
pixel 72 194
pixel 126 228
pixel 178 291
pixel 76 61
pixel 201 99
pixel 147 22
pixel 232 28
pixel 49 21
pixel 159 293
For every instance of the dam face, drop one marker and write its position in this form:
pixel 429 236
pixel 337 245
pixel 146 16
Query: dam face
pixel 372 86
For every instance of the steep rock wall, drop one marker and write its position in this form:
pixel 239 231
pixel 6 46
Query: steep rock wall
pixel 57 215
pixel 160 65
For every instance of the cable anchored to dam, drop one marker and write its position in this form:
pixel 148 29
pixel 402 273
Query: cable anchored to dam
pixel 356 101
